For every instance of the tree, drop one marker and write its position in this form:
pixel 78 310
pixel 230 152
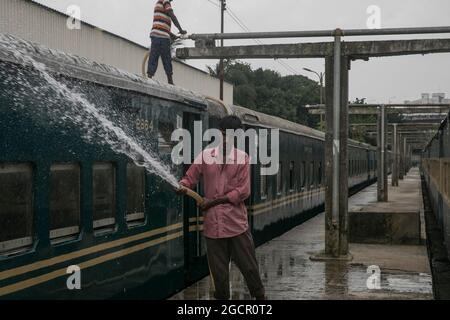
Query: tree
pixel 267 91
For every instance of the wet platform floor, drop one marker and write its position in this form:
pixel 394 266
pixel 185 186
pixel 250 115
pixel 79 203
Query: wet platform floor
pixel 289 274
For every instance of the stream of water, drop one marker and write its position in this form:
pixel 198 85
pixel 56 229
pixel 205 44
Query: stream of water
pixel 95 125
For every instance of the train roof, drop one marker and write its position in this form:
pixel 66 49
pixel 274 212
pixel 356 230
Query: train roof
pixel 252 117
pixel 15 50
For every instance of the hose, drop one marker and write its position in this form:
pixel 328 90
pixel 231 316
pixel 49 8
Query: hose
pixel 194 195
pixel 144 64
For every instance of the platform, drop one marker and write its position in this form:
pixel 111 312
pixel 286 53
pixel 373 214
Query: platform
pixel 289 274
pixel 398 221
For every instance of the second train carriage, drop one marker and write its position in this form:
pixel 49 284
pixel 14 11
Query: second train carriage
pixel 67 201
pixel 436 172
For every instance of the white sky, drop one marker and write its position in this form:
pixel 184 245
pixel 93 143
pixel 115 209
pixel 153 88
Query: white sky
pixel 379 80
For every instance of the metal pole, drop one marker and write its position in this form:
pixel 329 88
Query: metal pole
pixel 395 153
pixel 383 152
pixel 222 29
pixel 322 33
pixel 400 155
pixel 321 88
pixel 405 158
pixel 336 126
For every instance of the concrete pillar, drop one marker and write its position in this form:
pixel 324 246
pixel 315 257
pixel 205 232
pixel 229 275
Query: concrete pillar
pixel 395 156
pixel 336 243
pixel 343 162
pixel 382 169
pixel 405 157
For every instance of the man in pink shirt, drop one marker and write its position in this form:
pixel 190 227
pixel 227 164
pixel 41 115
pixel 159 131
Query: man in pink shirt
pixel 226 180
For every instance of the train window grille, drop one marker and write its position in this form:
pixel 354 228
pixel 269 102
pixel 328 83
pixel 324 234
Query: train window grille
pixel 16 208
pixel 311 174
pixel 352 170
pixel 291 176
pixel 280 179
pixel 104 196
pixel 302 175
pixel 319 174
pixel 135 195
pixel 64 202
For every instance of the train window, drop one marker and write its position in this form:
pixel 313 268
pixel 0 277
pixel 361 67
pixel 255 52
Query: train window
pixel 280 179
pixel 319 173
pixel 291 176
pixel 16 207
pixel 263 185
pixel 104 195
pixel 311 174
pixel 64 201
pixel 165 143
pixel 135 194
pixel 302 175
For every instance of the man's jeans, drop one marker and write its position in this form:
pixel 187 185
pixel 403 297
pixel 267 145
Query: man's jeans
pixel 160 47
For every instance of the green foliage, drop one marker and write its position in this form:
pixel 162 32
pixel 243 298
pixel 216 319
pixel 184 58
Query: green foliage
pixel 267 91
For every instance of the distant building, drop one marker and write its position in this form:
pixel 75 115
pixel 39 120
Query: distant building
pixel 433 99
pixel 35 22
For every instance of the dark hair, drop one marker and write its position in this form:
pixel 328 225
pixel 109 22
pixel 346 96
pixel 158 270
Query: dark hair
pixel 230 122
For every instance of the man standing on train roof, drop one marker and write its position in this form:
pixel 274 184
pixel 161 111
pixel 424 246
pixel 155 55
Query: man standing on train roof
pixel 226 230
pixel 161 37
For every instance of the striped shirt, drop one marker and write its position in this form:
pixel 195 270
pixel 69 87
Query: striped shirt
pixel 161 20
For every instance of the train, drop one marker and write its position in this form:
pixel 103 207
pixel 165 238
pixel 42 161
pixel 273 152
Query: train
pixel 435 170
pixel 72 205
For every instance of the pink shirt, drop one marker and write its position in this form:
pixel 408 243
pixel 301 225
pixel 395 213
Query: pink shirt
pixel 233 181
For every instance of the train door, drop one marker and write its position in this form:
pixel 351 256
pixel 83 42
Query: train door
pixel 194 247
